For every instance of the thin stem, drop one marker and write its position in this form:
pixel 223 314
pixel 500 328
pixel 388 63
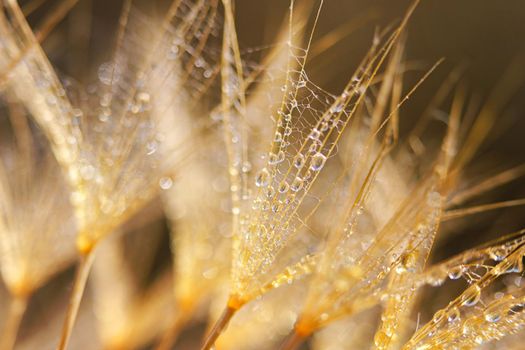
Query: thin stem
pixel 171 334
pixel 76 296
pixel 51 20
pixel 219 327
pixel 293 341
pixel 17 308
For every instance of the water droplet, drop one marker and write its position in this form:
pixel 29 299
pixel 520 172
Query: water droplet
pixel 301 83
pixel 270 192
pixel 314 148
pixel 315 134
pixel 471 296
pixel 151 147
pixel 468 327
pixel 299 161
pixel 317 162
pixel 436 281
pixel 283 187
pixel 77 198
pixel 297 184
pixel 104 115
pixel 107 73
pixel 516 308
pixel 87 172
pixel 276 158
pixel 434 199
pixel 492 316
pixel 515 267
pixel 438 316
pixel 453 315
pixel 455 273
pixel 381 338
pixel 263 178
pixel 400 268
pixel 165 182
pixel 498 254
pixel 246 167
pixel 143 97
pixel 199 62
pixel 337 108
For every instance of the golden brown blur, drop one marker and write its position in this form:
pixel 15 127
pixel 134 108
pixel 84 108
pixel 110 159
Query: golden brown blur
pixel 258 175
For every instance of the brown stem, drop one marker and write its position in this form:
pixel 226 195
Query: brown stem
pixel 76 296
pixel 17 308
pixel 171 334
pixel 293 341
pixel 219 327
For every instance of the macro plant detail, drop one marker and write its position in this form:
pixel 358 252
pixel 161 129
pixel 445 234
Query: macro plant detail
pixel 213 194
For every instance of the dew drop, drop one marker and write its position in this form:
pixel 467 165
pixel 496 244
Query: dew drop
pixel 263 178
pixel 453 315
pixel 165 182
pixel 106 73
pixel 103 116
pixel 436 280
pixel 151 147
pixel 246 167
pixel 199 63
pixel 315 134
pixel 297 184
pixel 337 108
pixel 314 148
pixel 516 308
pixel 381 338
pixel 210 273
pixel 492 316
pixel 471 296
pixel 283 187
pixel 438 316
pixel 455 273
pixel 434 199
pixel 276 158
pixel 87 172
pixel 400 269
pixel 307 175
pixel 515 267
pixel 318 161
pixel 299 161
pixel 497 254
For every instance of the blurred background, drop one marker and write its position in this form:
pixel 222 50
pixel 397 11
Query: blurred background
pixel 485 37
